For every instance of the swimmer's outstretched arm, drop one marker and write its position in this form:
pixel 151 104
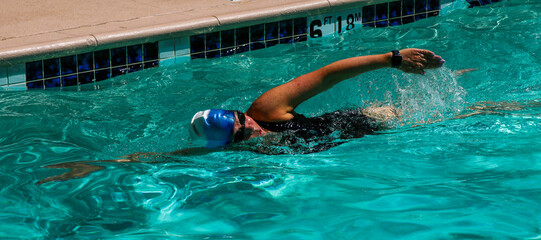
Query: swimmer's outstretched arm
pixel 279 103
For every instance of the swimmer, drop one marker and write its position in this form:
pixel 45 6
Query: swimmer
pixel 274 110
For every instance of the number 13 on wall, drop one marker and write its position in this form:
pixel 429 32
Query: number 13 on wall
pixel 329 24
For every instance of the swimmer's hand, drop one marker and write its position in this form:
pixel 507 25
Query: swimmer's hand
pixel 417 60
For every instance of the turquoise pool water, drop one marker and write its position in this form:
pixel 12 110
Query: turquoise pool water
pixel 468 178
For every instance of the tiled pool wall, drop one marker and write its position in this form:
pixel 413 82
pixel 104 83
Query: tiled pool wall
pixel 94 66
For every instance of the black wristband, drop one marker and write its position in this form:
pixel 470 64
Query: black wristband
pixel 396 60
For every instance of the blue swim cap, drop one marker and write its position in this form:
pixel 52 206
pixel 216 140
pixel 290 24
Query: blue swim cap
pixel 213 127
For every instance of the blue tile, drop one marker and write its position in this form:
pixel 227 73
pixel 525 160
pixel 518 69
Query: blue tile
pixel 227 51
pixel 197 55
pixel 34 70
pixel 382 24
pixel 408 7
pixel 119 71
pixel 420 6
pixel 243 35
pixel 197 43
pixel 406 20
pixel 395 22
pixel 271 43
pixel 433 14
pixel 151 64
pixel 395 9
pixel 433 5
pixel 369 13
pixel 300 26
pixel 484 2
pixel 135 67
pixel 257 33
pixel 52 83
pixel 257 45
pixel 372 24
pixel 85 62
pixel 103 74
pixel 286 28
pixel 286 40
pixel 213 54
pixel 213 41
pixel 420 16
pixel 151 51
pixel 242 48
pixel 35 84
pixel 118 56
pixel 69 81
pixel 301 38
pixel 135 54
pixel 228 38
pixel 102 59
pixel 271 31
pixel 85 78
pixel 51 68
pixel 382 11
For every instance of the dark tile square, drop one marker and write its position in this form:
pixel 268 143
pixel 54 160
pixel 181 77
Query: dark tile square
pixel 271 31
pixel 433 5
pixel 197 43
pixel 406 20
pixel 227 52
pixel 257 45
pixel 52 83
pixel 395 22
pixel 271 43
pixel 228 38
pixel 213 41
pixel 85 78
pixel 102 59
pixel 85 62
pixel 34 70
pixel 257 33
pixel 395 9
pixel 474 4
pixel 151 51
pixel 408 7
pixel 286 28
pixel 103 74
pixel 382 11
pixel 69 81
pixel 382 24
pixel 135 67
pixel 301 38
pixel 68 64
pixel 286 40
pixel 35 85
pixel 135 54
pixel 369 13
pixel 300 26
pixel 242 48
pixel 51 68
pixel 243 35
pixel 420 16
pixel 118 56
pixel 420 6
pixel 151 64
pixel 119 71
pixel 197 55
pixel 369 25
pixel 213 54
pixel 433 14
pixel 484 2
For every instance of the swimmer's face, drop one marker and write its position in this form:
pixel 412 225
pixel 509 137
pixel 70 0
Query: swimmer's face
pixel 245 128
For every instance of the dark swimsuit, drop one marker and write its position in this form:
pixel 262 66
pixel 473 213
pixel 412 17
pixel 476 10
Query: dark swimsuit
pixel 314 134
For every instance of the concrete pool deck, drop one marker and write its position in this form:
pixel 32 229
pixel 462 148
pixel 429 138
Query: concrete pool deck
pixel 36 30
